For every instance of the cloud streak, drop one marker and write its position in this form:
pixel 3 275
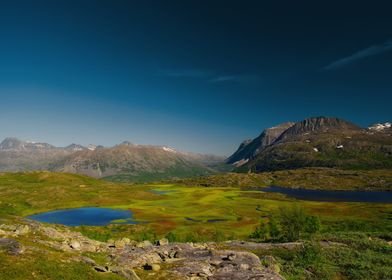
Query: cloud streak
pixel 370 51
pixel 186 73
pixel 208 76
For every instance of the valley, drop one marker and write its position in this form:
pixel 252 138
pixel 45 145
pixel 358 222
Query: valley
pixel 183 213
pixel 300 201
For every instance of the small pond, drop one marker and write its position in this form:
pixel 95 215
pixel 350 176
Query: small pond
pixel 88 216
pixel 161 192
pixel 333 196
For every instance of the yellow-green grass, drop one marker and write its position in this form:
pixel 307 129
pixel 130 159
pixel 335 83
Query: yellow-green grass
pixel 39 261
pixel 22 194
pixel 310 178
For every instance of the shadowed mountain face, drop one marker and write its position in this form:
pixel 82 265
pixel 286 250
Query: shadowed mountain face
pixel 250 148
pixel 321 142
pixel 122 162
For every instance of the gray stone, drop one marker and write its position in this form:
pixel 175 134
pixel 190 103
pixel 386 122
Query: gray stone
pixel 100 268
pixel 11 246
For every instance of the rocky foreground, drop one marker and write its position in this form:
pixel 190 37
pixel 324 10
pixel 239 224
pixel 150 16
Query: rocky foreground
pixel 144 260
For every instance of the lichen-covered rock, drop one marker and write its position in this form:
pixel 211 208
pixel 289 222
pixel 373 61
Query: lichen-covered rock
pixel 22 230
pixel 74 244
pixel 162 242
pixel 193 262
pixel 144 244
pixel 121 243
pixel 202 261
pixel 11 246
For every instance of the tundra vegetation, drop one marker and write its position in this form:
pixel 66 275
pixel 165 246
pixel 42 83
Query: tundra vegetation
pixel 328 240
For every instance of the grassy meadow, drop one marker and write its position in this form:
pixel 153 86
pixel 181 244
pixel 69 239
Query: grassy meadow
pixel 189 211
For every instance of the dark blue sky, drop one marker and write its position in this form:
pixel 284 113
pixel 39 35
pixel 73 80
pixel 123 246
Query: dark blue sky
pixel 196 75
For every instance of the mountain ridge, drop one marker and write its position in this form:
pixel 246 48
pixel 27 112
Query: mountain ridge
pixel 323 142
pixel 126 160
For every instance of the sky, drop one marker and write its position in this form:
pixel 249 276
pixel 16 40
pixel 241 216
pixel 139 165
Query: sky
pixel 198 76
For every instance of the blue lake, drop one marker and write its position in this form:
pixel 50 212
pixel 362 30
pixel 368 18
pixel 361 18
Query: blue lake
pixel 88 216
pixel 333 196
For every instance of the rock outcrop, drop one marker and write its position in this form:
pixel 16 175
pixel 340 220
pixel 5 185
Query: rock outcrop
pixel 132 260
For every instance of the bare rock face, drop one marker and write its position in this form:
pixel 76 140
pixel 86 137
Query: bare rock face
pixel 187 261
pixel 250 148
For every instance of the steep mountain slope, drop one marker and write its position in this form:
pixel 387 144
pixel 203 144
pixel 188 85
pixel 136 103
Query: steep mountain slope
pixel 250 148
pixel 325 142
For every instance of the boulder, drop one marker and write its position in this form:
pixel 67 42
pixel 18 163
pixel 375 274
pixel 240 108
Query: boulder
pixel 100 268
pixel 22 230
pixel 144 244
pixel 162 241
pixel 74 244
pixel 121 243
pixel 153 266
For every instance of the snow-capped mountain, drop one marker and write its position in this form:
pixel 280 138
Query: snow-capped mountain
pixel 125 160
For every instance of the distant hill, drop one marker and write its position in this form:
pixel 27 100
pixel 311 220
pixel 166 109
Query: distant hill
pixel 123 162
pixel 320 142
pixel 18 155
pixel 140 162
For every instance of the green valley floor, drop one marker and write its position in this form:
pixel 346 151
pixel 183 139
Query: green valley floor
pixel 353 242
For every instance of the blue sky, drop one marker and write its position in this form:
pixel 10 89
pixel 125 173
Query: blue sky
pixel 195 75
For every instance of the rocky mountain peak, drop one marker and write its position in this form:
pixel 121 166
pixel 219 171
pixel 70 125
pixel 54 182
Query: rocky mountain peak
pixel 127 143
pixel 316 124
pixel 75 147
pixel 11 143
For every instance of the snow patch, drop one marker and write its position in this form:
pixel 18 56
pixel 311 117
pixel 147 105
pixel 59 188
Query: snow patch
pixel 91 147
pixel 167 149
pixel 240 162
pixel 380 126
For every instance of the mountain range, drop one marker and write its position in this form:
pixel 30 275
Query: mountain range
pixel 123 162
pixel 313 142
pixel 316 142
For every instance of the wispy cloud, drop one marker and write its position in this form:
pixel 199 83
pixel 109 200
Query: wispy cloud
pixel 370 51
pixel 186 73
pixel 244 78
pixel 208 75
